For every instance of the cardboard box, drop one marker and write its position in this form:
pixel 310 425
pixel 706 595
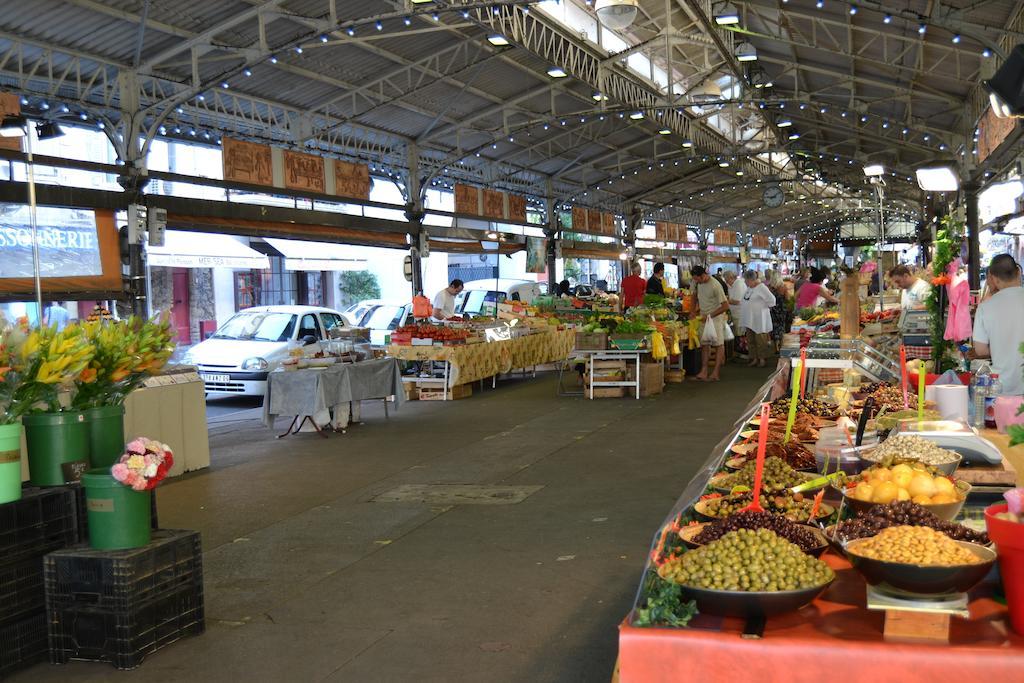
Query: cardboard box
pixel 593 340
pixel 412 392
pixel 652 378
pixel 457 392
pixel 607 392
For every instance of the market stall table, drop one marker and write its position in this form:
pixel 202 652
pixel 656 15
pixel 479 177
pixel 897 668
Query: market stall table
pixel 466 363
pixel 613 355
pixel 835 638
pixel 313 393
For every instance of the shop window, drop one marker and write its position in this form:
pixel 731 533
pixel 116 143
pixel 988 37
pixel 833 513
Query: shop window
pixel 274 287
pixel 309 328
pixel 312 288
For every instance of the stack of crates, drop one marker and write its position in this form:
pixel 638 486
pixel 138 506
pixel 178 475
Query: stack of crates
pixel 42 521
pixel 119 606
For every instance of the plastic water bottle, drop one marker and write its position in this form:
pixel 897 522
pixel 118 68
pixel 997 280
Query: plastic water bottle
pixel 980 386
pixel 994 389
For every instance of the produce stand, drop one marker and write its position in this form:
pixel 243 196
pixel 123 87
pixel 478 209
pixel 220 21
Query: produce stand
pixel 467 363
pixel 834 638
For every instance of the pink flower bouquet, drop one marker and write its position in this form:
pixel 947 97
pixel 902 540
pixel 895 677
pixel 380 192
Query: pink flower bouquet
pixel 144 464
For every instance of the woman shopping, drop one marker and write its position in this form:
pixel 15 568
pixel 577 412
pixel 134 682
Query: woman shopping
pixel 756 317
pixel 813 293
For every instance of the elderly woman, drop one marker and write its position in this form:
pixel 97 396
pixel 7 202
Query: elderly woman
pixel 756 317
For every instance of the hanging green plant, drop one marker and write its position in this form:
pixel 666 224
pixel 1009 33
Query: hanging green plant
pixel 948 239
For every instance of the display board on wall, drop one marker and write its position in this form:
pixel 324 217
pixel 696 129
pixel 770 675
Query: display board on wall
pixel 491 204
pixel 10 105
pixel 760 242
pixel 304 172
pixel 255 164
pixel 536 254
pixel 725 238
pixel 351 180
pixel 592 221
pixel 78 249
pixel 670 232
pixel 788 245
pixel 247 162
pixel 992 130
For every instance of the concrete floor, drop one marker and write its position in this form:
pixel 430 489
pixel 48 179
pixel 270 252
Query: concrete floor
pixel 306 579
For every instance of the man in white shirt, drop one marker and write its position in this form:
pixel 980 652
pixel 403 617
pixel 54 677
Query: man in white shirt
pixel 915 290
pixel 444 301
pixel 999 324
pixel 737 288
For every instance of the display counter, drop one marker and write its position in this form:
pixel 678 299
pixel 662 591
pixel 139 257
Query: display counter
pixel 834 638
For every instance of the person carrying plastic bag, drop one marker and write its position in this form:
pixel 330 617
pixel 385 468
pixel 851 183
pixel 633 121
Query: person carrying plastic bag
pixel 712 307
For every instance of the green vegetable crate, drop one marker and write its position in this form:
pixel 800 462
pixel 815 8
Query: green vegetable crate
pixel 628 342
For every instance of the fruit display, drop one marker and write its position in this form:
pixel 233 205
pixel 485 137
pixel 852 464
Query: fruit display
pixel 915 545
pixel 799 534
pixel 439 333
pixel 793 506
pixel 900 513
pixel 776 477
pixel 811 406
pixel 911 447
pixel 747 560
pixel 879 316
pixel 887 398
pixel 905 481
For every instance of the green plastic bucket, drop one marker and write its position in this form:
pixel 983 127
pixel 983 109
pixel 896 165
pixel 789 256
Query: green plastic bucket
pixel 106 435
pixel 119 517
pixel 53 439
pixel 10 462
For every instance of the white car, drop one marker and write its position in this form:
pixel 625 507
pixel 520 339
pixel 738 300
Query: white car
pixel 253 342
pixel 384 319
pixel 481 297
pixel 355 313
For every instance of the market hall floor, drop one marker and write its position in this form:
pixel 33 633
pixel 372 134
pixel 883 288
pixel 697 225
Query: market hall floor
pixel 308 579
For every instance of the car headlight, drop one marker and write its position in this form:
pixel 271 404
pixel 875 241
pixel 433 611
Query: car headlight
pixel 254 364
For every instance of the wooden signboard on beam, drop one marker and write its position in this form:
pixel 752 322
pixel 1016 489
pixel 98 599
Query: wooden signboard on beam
pixel 467 199
pixel 516 208
pixel 247 162
pixel 10 105
pixel 304 172
pixel 494 205
pixel 351 180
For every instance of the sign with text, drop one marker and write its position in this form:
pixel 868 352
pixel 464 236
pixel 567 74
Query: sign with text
pixel 351 180
pixel 788 245
pixel 491 204
pixel 68 244
pixel 670 232
pixel 760 242
pixel 304 172
pixel 10 105
pixel 725 238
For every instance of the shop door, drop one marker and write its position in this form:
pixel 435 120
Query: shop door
pixel 180 305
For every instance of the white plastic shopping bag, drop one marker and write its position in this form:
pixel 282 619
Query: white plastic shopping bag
pixel 709 337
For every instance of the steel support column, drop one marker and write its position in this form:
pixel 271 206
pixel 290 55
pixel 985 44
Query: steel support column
pixel 973 226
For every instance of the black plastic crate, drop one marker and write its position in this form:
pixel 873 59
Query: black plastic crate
pixel 21 588
pixel 122 579
pixel 22 643
pixel 125 638
pixel 43 520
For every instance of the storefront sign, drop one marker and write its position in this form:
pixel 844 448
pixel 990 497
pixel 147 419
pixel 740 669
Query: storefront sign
pixel 760 242
pixel 592 221
pixel 491 204
pixel 788 245
pixel 670 232
pixel 725 237
pixel 68 245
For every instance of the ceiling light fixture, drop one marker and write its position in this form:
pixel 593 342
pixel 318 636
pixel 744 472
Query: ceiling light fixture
pixel 874 170
pixel 745 52
pixel 664 131
pixel 687 143
pixel 784 123
pixel 921 28
pixel 13 126
pixel 937 178
pixel 1006 87
pixel 637 115
pixel 617 14
pixel 497 40
pixel 557 72
pixel 725 13
pixel 887 19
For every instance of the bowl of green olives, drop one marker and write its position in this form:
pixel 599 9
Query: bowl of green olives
pixel 748 573
pixel 810 539
pixel 795 507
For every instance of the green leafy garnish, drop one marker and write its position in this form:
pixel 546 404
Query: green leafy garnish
pixel 1016 433
pixel 664 605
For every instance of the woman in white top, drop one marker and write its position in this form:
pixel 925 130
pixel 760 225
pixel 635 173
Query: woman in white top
pixel 756 317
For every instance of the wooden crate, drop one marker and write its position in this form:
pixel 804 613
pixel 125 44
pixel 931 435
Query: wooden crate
pixel 457 392
pixel 607 392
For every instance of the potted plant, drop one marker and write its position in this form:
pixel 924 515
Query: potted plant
pixel 118 498
pixel 12 340
pixel 125 353
pixel 51 362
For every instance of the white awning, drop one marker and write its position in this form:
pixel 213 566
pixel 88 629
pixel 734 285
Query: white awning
pixel 205 250
pixel 299 255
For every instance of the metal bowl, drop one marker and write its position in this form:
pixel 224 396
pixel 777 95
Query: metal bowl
pixel 746 604
pixel 688 533
pixel 718 478
pixel 700 508
pixel 946 468
pixel 944 511
pixel 923 579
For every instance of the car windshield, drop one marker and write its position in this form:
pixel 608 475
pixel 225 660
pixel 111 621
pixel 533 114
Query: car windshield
pixel 480 302
pixel 258 326
pixel 384 318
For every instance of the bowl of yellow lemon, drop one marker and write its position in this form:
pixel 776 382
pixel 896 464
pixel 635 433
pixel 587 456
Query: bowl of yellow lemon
pixel 914 481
